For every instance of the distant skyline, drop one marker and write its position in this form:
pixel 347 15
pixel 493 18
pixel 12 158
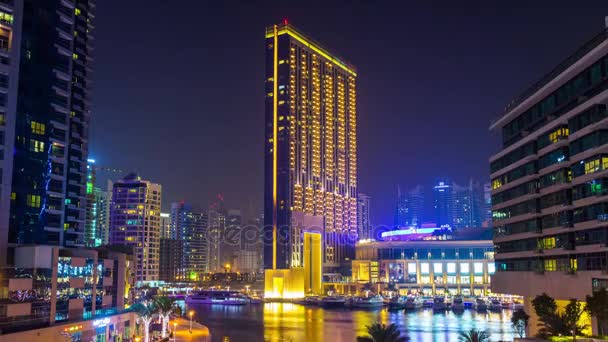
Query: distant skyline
pixel 179 94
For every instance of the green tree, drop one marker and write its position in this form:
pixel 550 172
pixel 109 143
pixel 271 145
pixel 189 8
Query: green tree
pixel 597 306
pixel 383 333
pixel 519 320
pixel 146 310
pixel 165 306
pixel 473 336
pixel 553 322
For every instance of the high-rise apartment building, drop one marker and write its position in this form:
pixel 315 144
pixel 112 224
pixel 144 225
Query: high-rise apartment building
pixel 190 228
pixel 364 225
pixel 97 210
pixel 410 208
pixel 310 154
pixel 45 70
pixel 549 181
pixel 217 224
pixel 135 222
pixel 443 202
pixel 467 205
pixel 165 226
pixel 231 237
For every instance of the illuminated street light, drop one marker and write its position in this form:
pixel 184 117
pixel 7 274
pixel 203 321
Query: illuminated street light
pixel 191 313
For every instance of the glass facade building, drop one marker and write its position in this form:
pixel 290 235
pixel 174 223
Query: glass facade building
pixel 410 208
pixel 549 204
pixel 310 150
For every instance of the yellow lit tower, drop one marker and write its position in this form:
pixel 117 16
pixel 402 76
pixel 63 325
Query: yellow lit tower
pixel 310 195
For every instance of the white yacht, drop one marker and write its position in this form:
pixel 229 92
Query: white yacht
pixel 439 304
pixel 413 303
pixel 457 304
pixel 217 297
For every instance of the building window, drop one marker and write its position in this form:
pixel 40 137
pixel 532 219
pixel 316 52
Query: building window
pixel 424 268
pixel 478 268
pixel 464 268
pixel 451 266
pixel 38 128
pixel 437 268
pixel 465 280
pixel 33 201
pixel 491 268
pixel 36 146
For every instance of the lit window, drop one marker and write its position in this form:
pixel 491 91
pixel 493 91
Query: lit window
pixel 464 268
pixel 424 268
pixel 478 268
pixel 77 11
pixel 38 128
pixel 451 267
pixel 478 279
pixel 550 265
pixel 496 184
pixel 6 17
pixel 437 267
pixel 491 268
pixel 411 268
pixel 36 146
pixel 13 196
pixel 33 201
pixel 74 56
pixel 548 243
pixel 425 280
pixel 465 280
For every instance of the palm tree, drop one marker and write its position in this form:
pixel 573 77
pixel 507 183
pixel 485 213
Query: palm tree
pixel 146 310
pixel 474 336
pixel 166 307
pixel 597 306
pixel 383 333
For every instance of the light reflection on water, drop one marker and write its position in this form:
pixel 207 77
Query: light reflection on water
pixel 291 322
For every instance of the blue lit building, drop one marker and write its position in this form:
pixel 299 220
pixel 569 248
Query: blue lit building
pixel 45 70
pixel 410 208
pixel 443 202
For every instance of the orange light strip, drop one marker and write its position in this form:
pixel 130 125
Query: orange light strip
pixel 274 147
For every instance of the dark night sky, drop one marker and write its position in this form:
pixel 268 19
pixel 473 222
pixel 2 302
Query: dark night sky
pixel 178 86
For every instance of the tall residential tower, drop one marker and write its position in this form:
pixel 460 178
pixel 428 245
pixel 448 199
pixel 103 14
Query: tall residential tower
pixel 135 222
pixel 310 156
pixel 550 181
pixel 45 71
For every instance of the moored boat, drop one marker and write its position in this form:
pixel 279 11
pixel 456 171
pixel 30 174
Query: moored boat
pixel 457 304
pixel 397 303
pixel 481 304
pixel 372 302
pixel 439 304
pixel 495 305
pixel 217 298
pixel 413 303
pixel 332 301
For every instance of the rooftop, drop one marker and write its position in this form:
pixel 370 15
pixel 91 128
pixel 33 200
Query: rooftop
pixel 556 71
pixel 286 28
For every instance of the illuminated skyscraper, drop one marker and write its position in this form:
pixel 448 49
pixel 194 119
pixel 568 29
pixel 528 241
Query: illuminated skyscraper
pixel 135 222
pixel 363 221
pixel 97 213
pixel 310 152
pixel 410 207
pixel 443 202
pixel 45 69
pixel 190 228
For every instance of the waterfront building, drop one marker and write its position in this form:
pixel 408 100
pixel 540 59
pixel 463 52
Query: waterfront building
pixel 247 262
pixel 443 202
pixel 310 187
pixel 217 224
pixel 549 199
pixel 190 228
pixel 171 261
pixel 165 226
pixel 231 237
pixel 135 222
pixel 486 218
pixel 45 68
pixel 427 264
pixel 410 208
pixel 97 210
pixel 52 293
pixel 364 225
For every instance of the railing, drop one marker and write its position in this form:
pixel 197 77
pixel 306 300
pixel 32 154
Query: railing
pixel 590 45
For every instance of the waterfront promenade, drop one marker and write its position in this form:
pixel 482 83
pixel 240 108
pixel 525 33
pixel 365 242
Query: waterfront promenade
pixel 200 333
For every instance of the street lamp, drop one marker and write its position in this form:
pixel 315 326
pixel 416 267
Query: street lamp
pixel 174 331
pixel 191 313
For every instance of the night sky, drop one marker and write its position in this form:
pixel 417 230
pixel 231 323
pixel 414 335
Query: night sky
pixel 179 86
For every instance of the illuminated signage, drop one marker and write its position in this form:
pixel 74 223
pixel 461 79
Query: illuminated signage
pixel 102 322
pixel 73 328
